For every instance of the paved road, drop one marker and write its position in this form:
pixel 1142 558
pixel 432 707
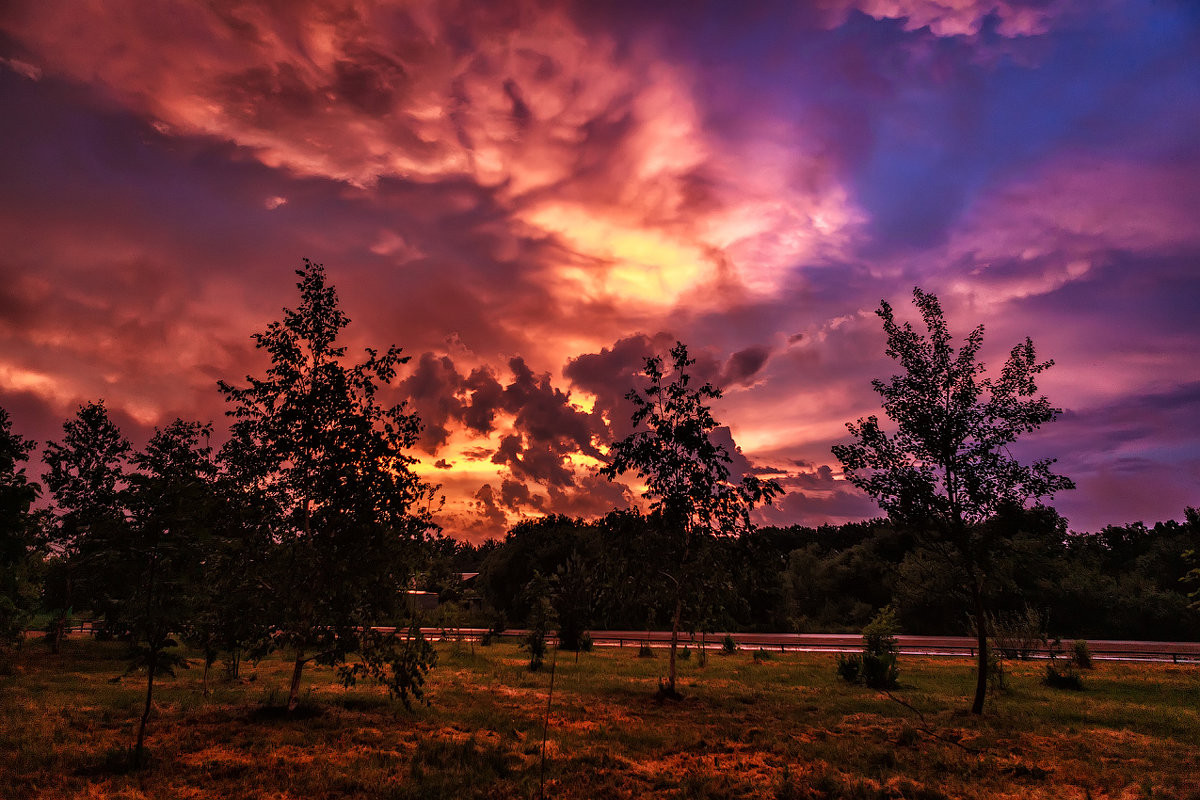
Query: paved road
pixel 962 646
pixel 958 646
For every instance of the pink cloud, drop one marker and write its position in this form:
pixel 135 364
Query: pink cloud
pixel 960 17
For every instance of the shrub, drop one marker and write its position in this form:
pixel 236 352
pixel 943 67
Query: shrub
pixel 879 635
pixel 880 650
pixel 498 626
pixel 684 654
pixel 1063 675
pixel 535 643
pixel 849 667
pixel 541 618
pixel 645 650
pixel 1081 654
pixel 728 645
pixel 997 672
pixel 880 671
pixel 1018 634
pixel 761 655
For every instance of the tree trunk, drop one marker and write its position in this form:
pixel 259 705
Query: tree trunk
pixel 294 693
pixel 151 666
pixel 60 624
pixel 675 641
pixel 982 649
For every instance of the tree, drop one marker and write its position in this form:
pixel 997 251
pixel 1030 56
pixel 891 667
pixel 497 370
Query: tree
pixel 686 475
pixel 313 437
pixel 86 477
pixel 1191 557
pixel 155 572
pixel 229 619
pixel 19 548
pixel 946 470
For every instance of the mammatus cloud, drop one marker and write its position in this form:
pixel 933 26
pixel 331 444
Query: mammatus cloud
pixel 531 198
pixel 542 445
pixel 961 17
pixel 597 144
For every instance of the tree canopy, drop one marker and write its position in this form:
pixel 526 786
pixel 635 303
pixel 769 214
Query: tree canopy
pixel 946 468
pixel 19 544
pixel 686 474
pixel 314 437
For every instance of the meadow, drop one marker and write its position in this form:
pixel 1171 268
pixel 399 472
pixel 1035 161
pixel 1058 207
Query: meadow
pixel 777 727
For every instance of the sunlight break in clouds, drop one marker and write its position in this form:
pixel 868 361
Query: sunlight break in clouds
pixel 531 197
pixel 359 92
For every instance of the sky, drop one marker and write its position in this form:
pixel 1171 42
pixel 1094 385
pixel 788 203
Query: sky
pixel 531 197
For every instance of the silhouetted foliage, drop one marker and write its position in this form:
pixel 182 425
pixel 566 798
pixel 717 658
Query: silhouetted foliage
pixel 539 620
pixel 86 477
pixel 331 461
pixel 946 471
pixel 686 475
pixel 154 574
pixel 20 546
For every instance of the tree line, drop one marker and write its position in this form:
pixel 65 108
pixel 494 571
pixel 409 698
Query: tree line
pixel 303 531
pixel 1122 582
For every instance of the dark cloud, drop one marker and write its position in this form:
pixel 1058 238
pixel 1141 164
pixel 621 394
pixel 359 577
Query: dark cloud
pixel 546 185
pixel 744 365
pixel 592 497
pixel 547 429
pixel 431 391
pixel 487 506
pixel 483 397
pixel 516 495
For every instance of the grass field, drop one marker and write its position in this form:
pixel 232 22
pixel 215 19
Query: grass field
pixel 784 727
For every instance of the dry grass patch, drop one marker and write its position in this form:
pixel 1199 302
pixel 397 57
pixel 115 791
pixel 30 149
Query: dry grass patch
pixel 784 728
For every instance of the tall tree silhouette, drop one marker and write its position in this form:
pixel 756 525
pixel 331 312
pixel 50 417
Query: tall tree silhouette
pixel 947 471
pixel 314 438
pixel 19 546
pixel 686 475
pixel 155 572
pixel 86 477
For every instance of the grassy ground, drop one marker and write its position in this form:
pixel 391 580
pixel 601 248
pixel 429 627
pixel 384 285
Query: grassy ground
pixel 781 728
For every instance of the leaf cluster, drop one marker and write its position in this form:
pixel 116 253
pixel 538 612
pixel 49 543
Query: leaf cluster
pixel 947 463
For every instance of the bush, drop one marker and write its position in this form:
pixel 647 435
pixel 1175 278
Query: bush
pixel 1062 673
pixel 498 626
pixel 880 671
pixel 541 618
pixel 761 655
pixel 728 645
pixel 645 650
pixel 876 666
pixel 997 677
pixel 879 635
pixel 880 650
pixel 684 654
pixel 1081 654
pixel 535 643
pixel 1017 635
pixel 849 667
pixel 1063 676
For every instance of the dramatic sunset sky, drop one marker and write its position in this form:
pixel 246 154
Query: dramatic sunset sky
pixel 530 197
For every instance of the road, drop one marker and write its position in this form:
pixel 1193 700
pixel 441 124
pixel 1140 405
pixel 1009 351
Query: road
pixel 954 646
pixel 961 646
